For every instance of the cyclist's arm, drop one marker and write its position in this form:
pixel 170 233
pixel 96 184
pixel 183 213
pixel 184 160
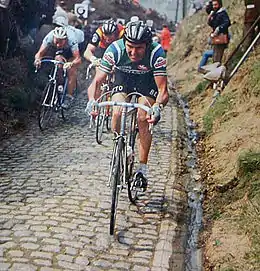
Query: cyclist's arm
pixel 94 90
pixel 163 94
pixel 89 52
pixel 40 54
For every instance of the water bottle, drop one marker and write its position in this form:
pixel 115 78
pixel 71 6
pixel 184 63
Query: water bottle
pixel 60 88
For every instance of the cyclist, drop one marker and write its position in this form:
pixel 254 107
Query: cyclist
pixel 101 39
pixel 63 43
pixel 140 65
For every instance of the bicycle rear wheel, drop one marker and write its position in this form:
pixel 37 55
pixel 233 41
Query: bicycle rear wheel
pixel 116 180
pixel 133 130
pixel 46 108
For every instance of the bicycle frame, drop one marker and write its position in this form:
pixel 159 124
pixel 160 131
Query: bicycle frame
pixel 118 173
pixel 52 100
pixel 52 79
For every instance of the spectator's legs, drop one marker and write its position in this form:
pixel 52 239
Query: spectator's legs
pixel 206 55
pixel 218 52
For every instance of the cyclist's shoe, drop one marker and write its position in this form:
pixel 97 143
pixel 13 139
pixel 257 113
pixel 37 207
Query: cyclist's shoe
pixel 68 100
pixel 140 182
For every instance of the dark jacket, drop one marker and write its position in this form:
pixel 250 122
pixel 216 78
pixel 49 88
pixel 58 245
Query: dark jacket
pixel 220 19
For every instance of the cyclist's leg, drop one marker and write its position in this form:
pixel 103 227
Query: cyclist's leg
pixel 148 88
pixel 144 133
pixel 115 123
pixel 120 88
pixel 72 79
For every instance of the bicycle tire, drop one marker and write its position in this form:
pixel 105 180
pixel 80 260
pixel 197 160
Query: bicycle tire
pixel 45 112
pixel 101 118
pixel 108 118
pixel 132 192
pixel 116 181
pixel 59 105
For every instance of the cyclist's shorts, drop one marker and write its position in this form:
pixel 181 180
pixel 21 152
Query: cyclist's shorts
pixel 99 52
pixel 143 84
pixel 67 53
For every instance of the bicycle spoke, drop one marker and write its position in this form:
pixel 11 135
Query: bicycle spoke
pixel 100 125
pixel 117 171
pixel 132 191
pixel 46 109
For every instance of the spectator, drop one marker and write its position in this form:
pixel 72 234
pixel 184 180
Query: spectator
pixel 219 20
pixel 251 14
pixel 165 38
pixel 204 60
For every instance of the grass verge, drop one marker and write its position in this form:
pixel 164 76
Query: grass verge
pixel 221 107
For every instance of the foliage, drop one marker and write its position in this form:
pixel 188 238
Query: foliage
pixel 201 86
pixel 248 163
pixel 221 106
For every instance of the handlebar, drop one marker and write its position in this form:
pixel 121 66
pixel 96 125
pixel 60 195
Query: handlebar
pixel 147 109
pixel 53 61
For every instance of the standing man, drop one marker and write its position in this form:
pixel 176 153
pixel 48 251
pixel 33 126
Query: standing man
pixel 140 65
pixel 219 20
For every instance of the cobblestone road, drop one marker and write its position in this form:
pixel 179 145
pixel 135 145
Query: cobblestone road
pixel 55 205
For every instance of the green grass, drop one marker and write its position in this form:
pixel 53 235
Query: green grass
pixel 249 220
pixel 201 86
pixel 222 106
pixel 248 163
pixel 254 79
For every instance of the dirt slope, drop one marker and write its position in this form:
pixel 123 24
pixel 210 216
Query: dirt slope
pixel 229 149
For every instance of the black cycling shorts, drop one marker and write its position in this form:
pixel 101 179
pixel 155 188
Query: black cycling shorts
pixel 141 83
pixel 67 53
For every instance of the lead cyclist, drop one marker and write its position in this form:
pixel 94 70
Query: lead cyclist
pixel 140 65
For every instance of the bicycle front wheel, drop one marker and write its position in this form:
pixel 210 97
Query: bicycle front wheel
pixel 116 180
pixel 133 130
pixel 46 107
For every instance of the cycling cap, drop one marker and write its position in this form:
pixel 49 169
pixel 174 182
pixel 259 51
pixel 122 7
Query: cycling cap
pixel 138 32
pixel 60 20
pixel 109 26
pixel 60 33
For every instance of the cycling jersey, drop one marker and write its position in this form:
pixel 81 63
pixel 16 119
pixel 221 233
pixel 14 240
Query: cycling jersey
pixel 98 38
pixel 131 76
pixel 71 37
pixel 154 61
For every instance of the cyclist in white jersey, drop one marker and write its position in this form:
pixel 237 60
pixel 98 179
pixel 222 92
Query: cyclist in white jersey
pixel 64 44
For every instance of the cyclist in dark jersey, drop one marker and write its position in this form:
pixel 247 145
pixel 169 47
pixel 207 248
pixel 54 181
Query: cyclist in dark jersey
pixel 101 39
pixel 139 65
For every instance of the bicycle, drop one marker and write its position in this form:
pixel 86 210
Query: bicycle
pixel 122 161
pixel 53 97
pixel 104 113
pixel 91 70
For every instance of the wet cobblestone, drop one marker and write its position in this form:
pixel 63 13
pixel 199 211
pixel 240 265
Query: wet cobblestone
pixel 55 204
